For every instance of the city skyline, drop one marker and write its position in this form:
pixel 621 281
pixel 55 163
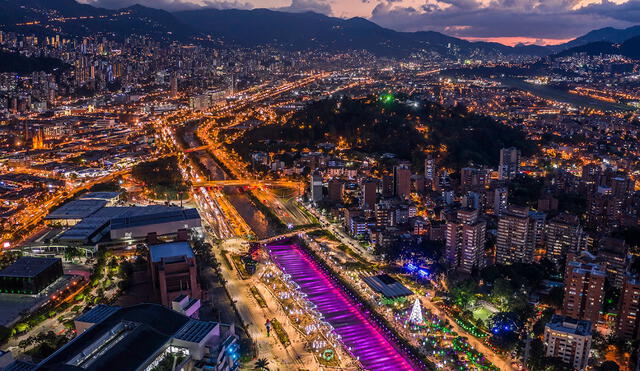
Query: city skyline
pixel 234 189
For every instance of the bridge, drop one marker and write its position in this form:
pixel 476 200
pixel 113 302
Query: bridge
pixel 248 183
pixel 195 149
pixel 287 235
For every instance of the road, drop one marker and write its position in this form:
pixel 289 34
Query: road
pixel 254 318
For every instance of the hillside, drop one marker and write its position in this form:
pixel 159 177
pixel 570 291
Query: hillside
pixel 300 31
pixel 14 62
pixel 47 14
pixel 380 126
pixel 629 48
pixel 257 27
pixel 608 34
pixel 249 28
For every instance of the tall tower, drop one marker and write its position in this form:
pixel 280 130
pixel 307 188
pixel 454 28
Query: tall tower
pixel 402 179
pixel 316 187
pixel 369 193
pixel 516 236
pixel 583 291
pixel 465 240
pixel 509 163
pixel 500 200
pixel 562 234
pixel 174 84
pixel 430 171
pixel 629 314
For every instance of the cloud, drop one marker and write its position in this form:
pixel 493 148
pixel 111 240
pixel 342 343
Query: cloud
pixel 171 5
pixel 534 19
pixel 298 6
pixel 542 19
pixel 629 11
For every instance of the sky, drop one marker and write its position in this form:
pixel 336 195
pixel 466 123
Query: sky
pixel 542 22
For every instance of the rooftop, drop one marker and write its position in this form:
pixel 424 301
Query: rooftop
pixel 195 331
pixel 98 220
pixel 569 325
pixel 77 209
pixel 106 196
pixel 152 328
pixel 28 266
pixel 97 314
pixel 148 218
pixel 170 250
pixel 387 286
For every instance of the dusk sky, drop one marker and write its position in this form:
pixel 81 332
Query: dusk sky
pixel 506 21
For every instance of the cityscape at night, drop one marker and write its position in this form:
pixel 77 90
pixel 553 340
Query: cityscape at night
pixel 301 185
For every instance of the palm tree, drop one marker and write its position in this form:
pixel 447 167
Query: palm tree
pixel 261 364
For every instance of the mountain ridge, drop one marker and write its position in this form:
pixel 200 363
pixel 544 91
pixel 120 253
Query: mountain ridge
pixel 258 27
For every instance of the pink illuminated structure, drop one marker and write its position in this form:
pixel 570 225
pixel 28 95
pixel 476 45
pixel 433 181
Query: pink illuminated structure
pixel 365 340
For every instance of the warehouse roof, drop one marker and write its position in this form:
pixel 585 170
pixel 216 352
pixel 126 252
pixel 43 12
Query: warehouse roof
pixel 163 216
pixel 387 286
pixel 28 266
pixel 77 209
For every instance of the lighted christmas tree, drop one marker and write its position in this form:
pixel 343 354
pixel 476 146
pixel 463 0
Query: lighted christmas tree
pixel 416 313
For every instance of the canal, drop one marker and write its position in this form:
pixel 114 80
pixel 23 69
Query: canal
pixel 256 220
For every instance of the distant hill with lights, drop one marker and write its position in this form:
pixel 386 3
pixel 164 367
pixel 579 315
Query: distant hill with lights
pixel 629 48
pixel 390 124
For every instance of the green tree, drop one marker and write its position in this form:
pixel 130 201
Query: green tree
pixel 608 366
pixel 262 364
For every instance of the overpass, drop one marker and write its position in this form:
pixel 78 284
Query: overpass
pixel 248 183
pixel 195 149
pixel 287 235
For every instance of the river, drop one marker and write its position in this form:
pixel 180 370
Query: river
pixel 253 217
pixel 560 95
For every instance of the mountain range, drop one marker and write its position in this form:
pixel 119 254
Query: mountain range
pixel 251 28
pixel 629 48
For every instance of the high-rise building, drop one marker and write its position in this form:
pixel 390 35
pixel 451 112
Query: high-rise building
pixel 629 313
pixel 562 234
pixel 568 339
pixel 509 163
pixel 472 178
pixel 316 187
pixel 369 193
pixel 335 190
pixel 430 171
pixel 516 236
pixel 384 215
pixel 500 200
pixel 614 254
pixel 583 291
pixel 174 84
pixel 387 185
pixel 402 179
pixel 465 241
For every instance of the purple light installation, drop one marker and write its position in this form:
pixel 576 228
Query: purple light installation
pixel 367 342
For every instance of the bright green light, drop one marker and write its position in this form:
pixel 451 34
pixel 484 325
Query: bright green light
pixel 387 98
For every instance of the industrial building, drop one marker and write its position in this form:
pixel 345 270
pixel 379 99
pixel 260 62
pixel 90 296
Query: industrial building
pixel 30 275
pixel 137 225
pixel 143 337
pixel 90 220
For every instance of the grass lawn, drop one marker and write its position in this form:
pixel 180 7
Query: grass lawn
pixel 481 313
